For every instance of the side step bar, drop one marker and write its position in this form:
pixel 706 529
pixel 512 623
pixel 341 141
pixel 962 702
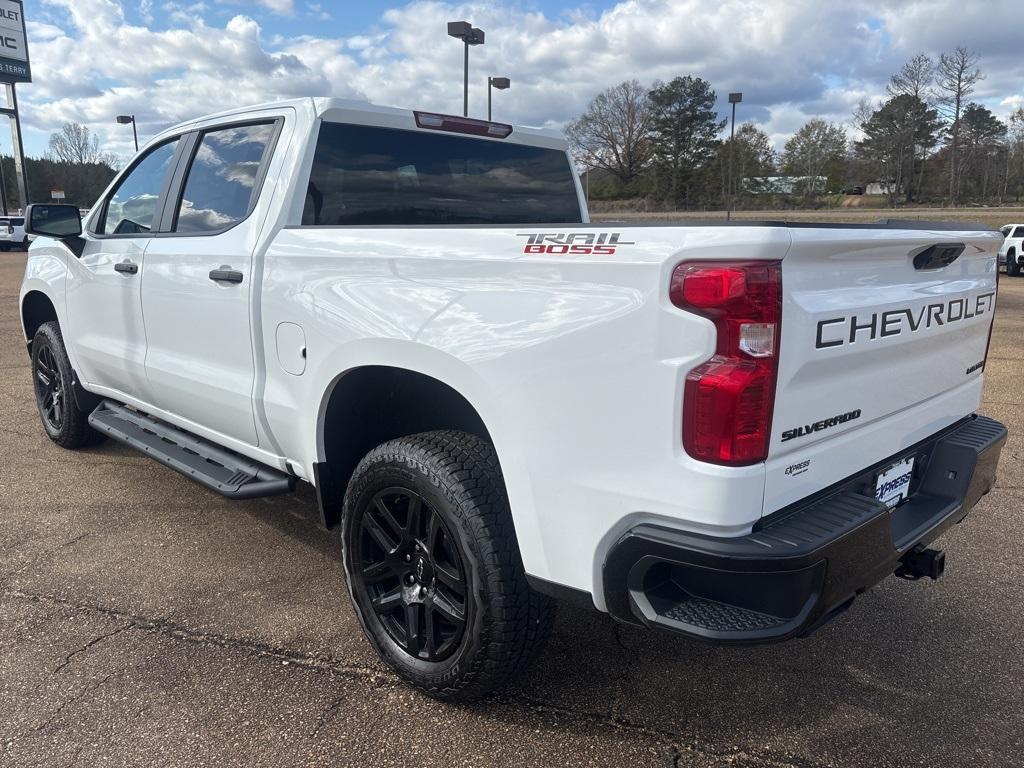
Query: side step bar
pixel 217 468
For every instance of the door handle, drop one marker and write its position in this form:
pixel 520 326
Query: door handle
pixel 226 275
pixel 127 267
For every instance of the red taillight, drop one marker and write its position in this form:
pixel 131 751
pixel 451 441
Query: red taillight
pixel 454 124
pixel 727 405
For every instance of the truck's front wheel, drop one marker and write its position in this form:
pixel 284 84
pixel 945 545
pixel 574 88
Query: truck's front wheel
pixel 65 423
pixel 433 566
pixel 1012 267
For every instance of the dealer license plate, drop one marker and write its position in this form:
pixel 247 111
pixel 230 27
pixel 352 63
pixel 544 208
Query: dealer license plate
pixel 893 484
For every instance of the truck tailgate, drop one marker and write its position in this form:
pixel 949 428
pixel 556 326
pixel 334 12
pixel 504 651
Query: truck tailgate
pixel 875 323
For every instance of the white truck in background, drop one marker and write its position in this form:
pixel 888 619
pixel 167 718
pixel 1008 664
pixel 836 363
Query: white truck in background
pixel 1011 254
pixel 723 431
pixel 12 233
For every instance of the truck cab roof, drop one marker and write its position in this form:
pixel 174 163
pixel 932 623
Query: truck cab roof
pixel 365 113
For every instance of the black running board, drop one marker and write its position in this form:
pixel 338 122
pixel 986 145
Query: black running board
pixel 217 468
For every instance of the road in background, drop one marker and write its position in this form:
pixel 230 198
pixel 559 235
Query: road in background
pixel 147 621
pixel 990 217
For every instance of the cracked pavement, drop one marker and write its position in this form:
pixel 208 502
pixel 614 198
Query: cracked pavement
pixel 146 621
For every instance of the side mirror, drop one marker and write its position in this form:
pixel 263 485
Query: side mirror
pixel 58 221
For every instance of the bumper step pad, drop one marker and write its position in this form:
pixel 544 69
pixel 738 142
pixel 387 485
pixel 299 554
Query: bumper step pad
pixel 217 468
pixel 720 617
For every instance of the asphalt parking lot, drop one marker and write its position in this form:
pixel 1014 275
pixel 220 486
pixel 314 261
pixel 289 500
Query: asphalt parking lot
pixel 146 621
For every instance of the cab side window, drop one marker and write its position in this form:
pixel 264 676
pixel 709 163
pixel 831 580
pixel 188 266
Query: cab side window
pixel 220 188
pixel 132 208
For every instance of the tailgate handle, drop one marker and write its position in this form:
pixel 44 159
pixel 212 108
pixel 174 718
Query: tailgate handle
pixel 938 256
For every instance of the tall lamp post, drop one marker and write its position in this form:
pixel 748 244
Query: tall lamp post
pixel 124 120
pixel 501 83
pixel 734 99
pixel 469 35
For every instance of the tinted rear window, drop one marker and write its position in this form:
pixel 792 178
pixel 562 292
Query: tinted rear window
pixel 365 176
pixel 1019 232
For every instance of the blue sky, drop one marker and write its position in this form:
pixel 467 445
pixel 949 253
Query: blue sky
pixel 170 60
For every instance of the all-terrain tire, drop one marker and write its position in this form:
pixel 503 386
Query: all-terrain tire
pixel 53 384
pixel 457 481
pixel 1012 267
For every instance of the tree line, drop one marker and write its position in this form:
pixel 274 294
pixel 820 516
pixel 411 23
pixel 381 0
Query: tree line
pixel 73 164
pixel 926 142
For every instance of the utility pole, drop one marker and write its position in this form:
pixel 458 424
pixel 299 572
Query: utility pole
pixel 124 120
pixel 3 189
pixel 501 83
pixel 16 145
pixel 734 99
pixel 469 35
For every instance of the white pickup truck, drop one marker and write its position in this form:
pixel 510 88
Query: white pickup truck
pixel 724 431
pixel 1012 251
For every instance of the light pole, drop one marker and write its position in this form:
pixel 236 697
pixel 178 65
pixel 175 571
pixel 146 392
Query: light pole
pixel 734 99
pixel 469 35
pixel 501 83
pixel 124 120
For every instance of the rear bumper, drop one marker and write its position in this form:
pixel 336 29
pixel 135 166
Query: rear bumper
pixel 804 564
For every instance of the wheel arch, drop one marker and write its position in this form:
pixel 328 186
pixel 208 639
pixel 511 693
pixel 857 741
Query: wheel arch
pixel 371 404
pixel 36 308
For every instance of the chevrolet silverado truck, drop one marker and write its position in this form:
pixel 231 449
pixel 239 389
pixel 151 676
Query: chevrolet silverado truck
pixel 725 431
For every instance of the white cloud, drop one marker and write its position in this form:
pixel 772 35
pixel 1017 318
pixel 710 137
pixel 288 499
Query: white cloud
pixel 317 11
pixel 284 7
pixel 792 59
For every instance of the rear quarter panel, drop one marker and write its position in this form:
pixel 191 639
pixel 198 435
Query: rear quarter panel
pixel 574 362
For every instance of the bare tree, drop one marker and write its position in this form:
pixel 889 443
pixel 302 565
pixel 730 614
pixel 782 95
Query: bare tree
pixel 613 131
pixel 812 151
pixel 915 78
pixel 75 143
pixel 1015 164
pixel 957 75
pixel 862 112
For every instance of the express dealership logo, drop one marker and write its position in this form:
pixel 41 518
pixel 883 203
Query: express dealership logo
pixel 574 243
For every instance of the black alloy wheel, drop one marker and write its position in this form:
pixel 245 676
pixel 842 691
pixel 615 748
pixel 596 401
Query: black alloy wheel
pixel 411 571
pixel 64 421
pixel 433 566
pixel 50 392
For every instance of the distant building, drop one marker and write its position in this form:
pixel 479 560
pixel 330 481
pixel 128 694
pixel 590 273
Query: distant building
pixel 784 185
pixel 880 187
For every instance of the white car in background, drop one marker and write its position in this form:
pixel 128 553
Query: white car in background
pixel 12 233
pixel 1010 253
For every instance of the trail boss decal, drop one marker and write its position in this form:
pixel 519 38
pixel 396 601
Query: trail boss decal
pixel 575 243
pixel 818 426
pixel 837 331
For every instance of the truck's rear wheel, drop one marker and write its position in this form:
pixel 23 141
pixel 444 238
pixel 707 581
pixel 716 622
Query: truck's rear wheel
pixel 53 381
pixel 1012 267
pixel 433 566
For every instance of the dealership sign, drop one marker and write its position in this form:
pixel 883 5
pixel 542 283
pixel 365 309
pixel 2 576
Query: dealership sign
pixel 14 67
